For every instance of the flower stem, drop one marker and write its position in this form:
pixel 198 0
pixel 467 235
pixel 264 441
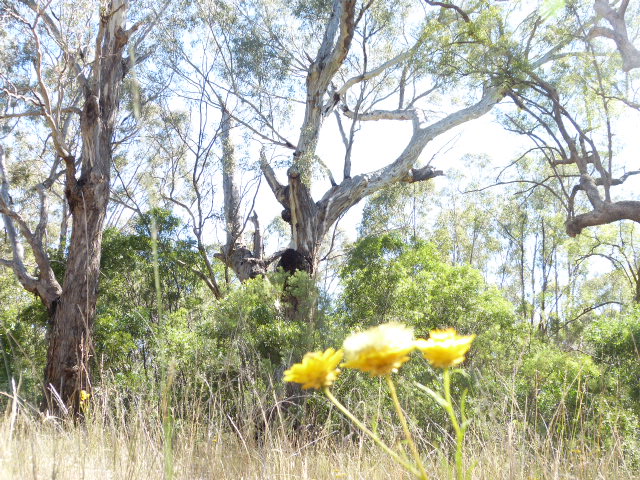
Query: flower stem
pixel 373 436
pixel 407 433
pixel 446 380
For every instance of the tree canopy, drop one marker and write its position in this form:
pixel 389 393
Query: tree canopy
pixel 206 110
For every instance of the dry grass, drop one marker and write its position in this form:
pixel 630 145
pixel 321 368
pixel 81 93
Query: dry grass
pixel 114 445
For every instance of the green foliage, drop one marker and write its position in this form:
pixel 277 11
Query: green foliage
pixel 565 393
pixel 399 208
pixel 253 316
pixel 386 279
pixel 554 383
pixel 23 324
pixel 615 341
pixel 128 330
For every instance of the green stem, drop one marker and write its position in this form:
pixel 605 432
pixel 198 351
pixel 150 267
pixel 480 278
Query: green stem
pixel 405 427
pixel 373 436
pixel 446 377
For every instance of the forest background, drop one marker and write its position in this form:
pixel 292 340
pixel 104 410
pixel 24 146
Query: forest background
pixel 196 193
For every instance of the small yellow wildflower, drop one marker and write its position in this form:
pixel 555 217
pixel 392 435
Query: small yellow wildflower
pixel 379 350
pixel 84 396
pixel 445 348
pixel 317 369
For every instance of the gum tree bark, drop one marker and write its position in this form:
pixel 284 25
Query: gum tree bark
pixel 67 370
pixel 71 304
pixel 615 17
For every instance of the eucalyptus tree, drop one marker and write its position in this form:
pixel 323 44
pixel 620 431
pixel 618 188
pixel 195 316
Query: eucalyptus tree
pixel 614 24
pixel 282 71
pixel 62 78
pixel 573 112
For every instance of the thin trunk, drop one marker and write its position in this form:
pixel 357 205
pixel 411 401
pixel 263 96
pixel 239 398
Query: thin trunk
pixel 544 280
pixel 533 280
pixel 244 262
pixel 523 295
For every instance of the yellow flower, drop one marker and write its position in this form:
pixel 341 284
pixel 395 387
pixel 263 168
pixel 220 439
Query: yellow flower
pixel 317 369
pixel 379 350
pixel 84 396
pixel 445 348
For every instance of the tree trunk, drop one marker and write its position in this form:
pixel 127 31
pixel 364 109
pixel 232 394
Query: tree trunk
pixel 245 262
pixel 68 369
pixel 72 317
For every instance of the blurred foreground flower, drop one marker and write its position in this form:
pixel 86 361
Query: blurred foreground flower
pixel 445 348
pixel 317 369
pixel 379 350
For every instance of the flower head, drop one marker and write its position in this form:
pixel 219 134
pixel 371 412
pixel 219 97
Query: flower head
pixel 317 369
pixel 445 348
pixel 84 396
pixel 379 350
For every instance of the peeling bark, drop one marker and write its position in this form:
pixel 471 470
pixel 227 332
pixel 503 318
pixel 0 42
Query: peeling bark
pixel 331 54
pixel 70 336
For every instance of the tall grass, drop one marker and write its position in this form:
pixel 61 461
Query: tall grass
pixel 125 437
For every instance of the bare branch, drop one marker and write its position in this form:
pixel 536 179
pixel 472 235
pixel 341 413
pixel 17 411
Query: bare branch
pixel 375 115
pixel 375 72
pixel 590 309
pixel 352 190
pixel 276 187
pixel 46 286
pixel 37 113
pixel 7 263
pixel 450 6
pixel 618 32
pixel 606 213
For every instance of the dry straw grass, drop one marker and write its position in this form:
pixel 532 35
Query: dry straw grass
pixel 206 444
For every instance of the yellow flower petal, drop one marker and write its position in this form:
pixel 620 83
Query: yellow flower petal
pixel 445 348
pixel 379 350
pixel 317 369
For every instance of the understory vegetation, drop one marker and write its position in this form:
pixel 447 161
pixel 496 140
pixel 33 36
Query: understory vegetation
pixel 194 389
